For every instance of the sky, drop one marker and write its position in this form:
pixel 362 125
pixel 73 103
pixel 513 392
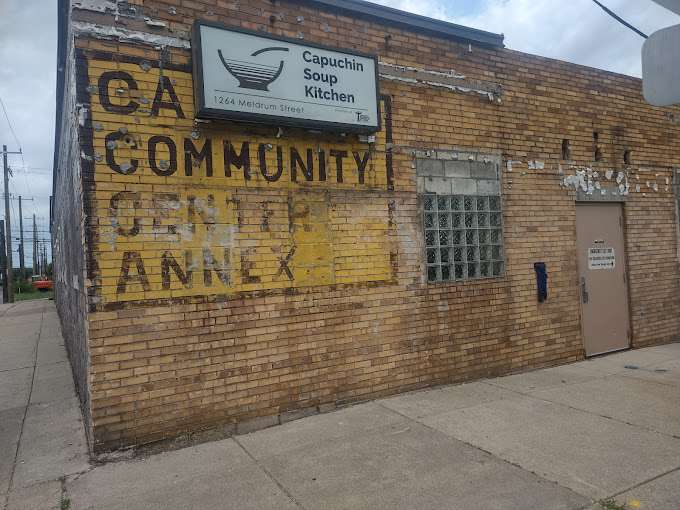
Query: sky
pixel 28 53
pixel 576 31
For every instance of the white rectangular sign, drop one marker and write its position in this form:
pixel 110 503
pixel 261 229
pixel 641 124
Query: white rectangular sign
pixel 601 258
pixel 244 75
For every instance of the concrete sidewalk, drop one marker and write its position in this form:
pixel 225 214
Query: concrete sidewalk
pixel 41 430
pixel 560 438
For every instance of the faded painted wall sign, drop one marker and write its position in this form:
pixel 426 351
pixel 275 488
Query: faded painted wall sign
pixel 179 212
pixel 601 258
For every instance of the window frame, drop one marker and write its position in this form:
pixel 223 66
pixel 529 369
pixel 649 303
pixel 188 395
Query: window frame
pixel 458 228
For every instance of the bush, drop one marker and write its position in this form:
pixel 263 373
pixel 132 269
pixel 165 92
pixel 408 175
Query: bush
pixel 23 287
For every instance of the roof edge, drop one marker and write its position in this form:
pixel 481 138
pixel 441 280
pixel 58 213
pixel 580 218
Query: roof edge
pixel 415 20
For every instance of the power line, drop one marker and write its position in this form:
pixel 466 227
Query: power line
pixel 13 213
pixel 2 195
pixel 28 197
pixel 10 124
pixel 617 18
pixel 22 171
pixel 27 185
pixel 17 240
pixel 23 163
pixel 12 203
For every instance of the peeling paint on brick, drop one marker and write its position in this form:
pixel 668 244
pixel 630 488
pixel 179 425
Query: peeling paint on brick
pixel 151 23
pixel 84 29
pixel 108 6
pixel 450 81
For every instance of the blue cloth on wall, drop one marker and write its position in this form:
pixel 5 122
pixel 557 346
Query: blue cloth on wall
pixel 541 281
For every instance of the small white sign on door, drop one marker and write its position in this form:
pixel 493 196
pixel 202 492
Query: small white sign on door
pixel 601 258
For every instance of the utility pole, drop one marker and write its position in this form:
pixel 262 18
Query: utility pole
pixel 44 271
pixel 10 272
pixel 35 247
pixel 3 261
pixel 22 275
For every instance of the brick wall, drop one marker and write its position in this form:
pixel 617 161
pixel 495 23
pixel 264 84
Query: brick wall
pixel 68 236
pixel 218 296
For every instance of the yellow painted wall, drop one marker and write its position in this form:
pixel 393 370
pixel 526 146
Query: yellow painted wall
pixel 192 209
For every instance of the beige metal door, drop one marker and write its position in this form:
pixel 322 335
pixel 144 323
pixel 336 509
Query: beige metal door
pixel 602 277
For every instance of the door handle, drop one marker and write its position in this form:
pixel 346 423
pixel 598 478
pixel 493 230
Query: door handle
pixel 584 292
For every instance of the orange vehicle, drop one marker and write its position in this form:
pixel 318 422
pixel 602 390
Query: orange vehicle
pixel 40 282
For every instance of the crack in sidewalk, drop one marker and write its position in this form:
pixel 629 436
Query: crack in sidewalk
pixel 271 476
pixel 10 486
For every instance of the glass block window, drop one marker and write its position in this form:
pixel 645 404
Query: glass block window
pixel 463 237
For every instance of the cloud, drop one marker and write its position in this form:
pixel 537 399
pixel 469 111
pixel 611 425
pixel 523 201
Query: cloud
pixel 430 8
pixel 578 31
pixel 28 42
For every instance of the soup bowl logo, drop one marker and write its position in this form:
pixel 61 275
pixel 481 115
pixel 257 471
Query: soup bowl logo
pixel 253 75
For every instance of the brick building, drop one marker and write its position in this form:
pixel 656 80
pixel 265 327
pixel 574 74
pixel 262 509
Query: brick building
pixel 229 270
